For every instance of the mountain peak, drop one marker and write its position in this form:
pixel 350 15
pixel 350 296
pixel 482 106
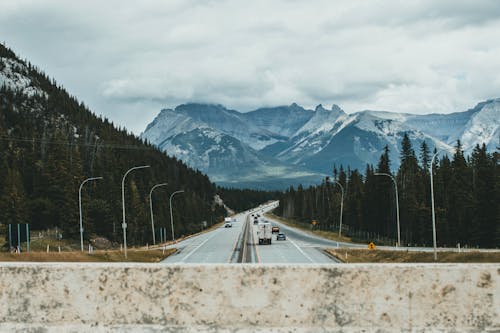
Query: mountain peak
pixel 319 107
pixel 199 107
pixel 209 136
pixel 336 108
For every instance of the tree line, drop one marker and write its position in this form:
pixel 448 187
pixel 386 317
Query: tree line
pixel 466 193
pixel 50 143
pixel 245 199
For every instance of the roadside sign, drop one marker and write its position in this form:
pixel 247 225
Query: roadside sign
pixel 314 222
pixel 371 246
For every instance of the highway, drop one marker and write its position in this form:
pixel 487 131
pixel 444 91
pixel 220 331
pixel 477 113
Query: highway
pixel 222 245
pixel 298 248
pixel 211 247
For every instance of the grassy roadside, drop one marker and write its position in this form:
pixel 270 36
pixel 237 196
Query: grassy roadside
pixel 321 233
pixel 180 239
pixel 387 256
pixel 70 251
pixel 134 255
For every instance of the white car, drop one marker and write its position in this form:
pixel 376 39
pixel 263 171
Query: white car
pixel 228 225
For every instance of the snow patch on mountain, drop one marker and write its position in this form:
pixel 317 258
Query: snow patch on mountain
pixel 15 76
pixel 483 126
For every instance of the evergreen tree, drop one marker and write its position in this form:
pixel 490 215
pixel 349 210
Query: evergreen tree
pixel 460 205
pixel 409 184
pixel 485 201
pixel 13 200
pixel 425 159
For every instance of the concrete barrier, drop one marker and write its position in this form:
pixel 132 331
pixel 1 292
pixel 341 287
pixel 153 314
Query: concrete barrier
pixel 249 298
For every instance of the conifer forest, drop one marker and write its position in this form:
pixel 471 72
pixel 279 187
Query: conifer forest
pixel 466 197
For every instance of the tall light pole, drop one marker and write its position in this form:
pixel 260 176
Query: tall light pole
pixel 151 206
pixel 80 205
pixel 171 215
pixel 124 223
pixel 341 206
pixel 434 241
pixel 397 202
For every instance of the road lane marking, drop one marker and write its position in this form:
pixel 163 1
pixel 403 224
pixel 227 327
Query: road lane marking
pixel 300 250
pixel 200 245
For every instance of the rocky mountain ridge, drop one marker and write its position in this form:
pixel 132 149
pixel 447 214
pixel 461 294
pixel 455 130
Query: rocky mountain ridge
pixel 302 145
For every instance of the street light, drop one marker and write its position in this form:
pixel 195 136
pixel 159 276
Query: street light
pixel 341 206
pixel 80 205
pixel 397 202
pixel 124 224
pixel 432 203
pixel 151 206
pixel 171 216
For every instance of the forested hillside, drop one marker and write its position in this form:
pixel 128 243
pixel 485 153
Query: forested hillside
pixel 466 191
pixel 50 143
pixel 241 200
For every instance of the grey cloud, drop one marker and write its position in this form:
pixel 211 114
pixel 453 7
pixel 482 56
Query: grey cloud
pixel 127 61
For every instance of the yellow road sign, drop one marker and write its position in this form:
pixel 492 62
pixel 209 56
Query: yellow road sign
pixel 371 246
pixel 314 222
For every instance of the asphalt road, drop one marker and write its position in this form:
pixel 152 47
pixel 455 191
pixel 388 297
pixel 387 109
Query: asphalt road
pixel 212 247
pixel 219 246
pixel 299 247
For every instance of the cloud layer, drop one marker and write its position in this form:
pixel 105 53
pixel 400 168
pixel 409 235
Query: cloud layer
pixel 126 60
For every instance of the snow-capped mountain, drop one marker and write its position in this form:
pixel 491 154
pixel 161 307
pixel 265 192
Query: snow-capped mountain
pixel 224 144
pixel 301 145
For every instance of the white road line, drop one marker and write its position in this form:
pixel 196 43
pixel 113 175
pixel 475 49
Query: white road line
pixel 196 248
pixel 300 250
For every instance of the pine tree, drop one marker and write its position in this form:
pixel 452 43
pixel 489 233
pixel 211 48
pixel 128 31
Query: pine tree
pixel 460 204
pixel 13 200
pixel 136 215
pixel 409 184
pixel 485 202
pixel 425 159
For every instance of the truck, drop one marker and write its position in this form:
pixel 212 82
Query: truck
pixel 228 222
pixel 264 233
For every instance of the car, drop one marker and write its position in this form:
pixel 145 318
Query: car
pixel 280 236
pixel 228 225
pixel 275 229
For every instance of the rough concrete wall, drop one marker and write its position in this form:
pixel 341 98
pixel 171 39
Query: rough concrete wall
pixel 248 298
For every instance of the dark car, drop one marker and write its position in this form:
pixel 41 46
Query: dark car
pixel 275 229
pixel 281 236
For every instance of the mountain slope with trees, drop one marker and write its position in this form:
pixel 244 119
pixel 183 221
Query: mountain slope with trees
pixel 50 142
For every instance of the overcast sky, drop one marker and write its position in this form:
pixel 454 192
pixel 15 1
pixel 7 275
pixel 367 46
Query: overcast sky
pixel 129 59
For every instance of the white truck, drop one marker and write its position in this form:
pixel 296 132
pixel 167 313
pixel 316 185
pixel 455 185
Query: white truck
pixel 228 222
pixel 264 233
